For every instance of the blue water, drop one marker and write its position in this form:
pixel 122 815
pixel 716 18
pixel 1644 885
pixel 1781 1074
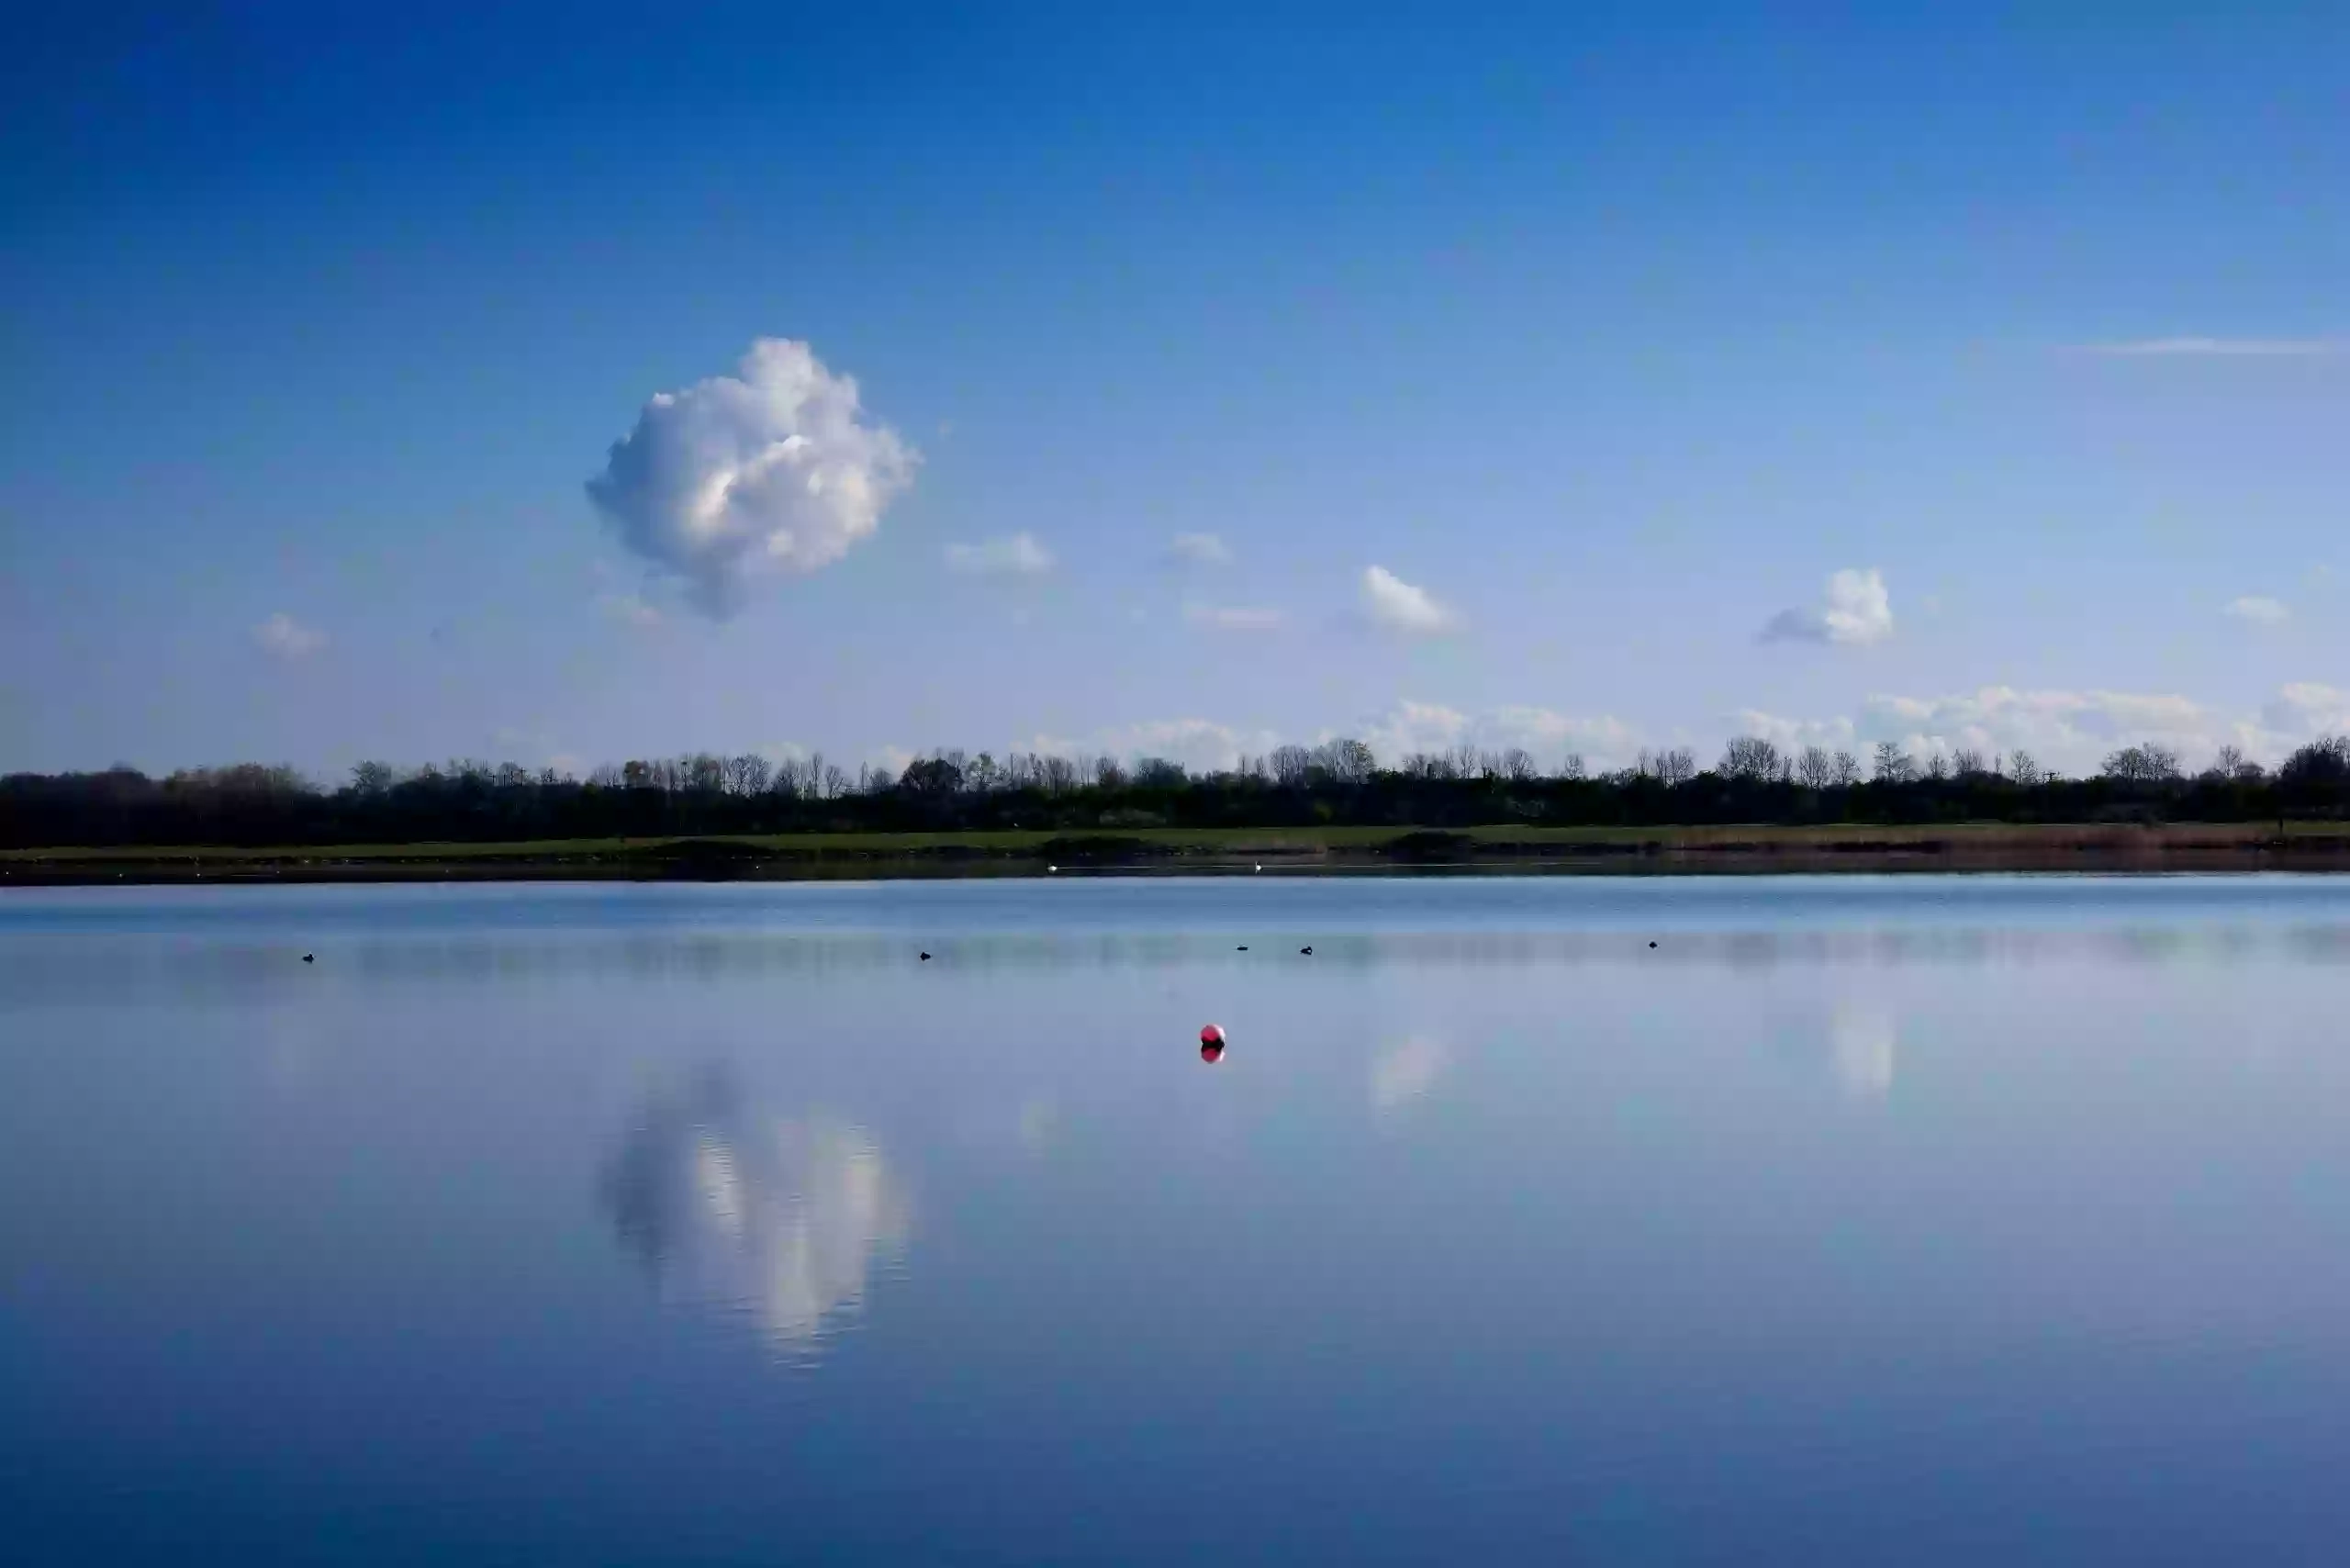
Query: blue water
pixel 1912 1219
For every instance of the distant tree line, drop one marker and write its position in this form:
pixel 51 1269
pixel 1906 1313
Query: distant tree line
pixel 1338 782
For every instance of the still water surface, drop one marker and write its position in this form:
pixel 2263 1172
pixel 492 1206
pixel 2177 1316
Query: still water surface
pixel 1861 1220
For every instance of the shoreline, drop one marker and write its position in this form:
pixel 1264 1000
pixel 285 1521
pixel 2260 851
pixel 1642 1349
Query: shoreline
pixel 1987 847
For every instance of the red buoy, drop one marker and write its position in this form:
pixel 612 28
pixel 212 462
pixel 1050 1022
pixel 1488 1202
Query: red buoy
pixel 1211 1043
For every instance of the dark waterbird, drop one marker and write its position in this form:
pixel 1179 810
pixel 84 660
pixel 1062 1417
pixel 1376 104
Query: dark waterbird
pixel 925 957
pixel 310 957
pixel 1307 951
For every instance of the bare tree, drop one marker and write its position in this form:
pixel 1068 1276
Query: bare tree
pixel 1894 766
pixel 1848 768
pixel 1966 762
pixel 1573 769
pixel 2232 767
pixel 1517 765
pixel 2142 765
pixel 1676 766
pixel 2025 769
pixel 1938 767
pixel 1749 759
pixel 1815 767
pixel 1345 761
pixel 1291 765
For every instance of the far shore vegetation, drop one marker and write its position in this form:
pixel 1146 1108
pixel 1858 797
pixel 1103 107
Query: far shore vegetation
pixel 1333 805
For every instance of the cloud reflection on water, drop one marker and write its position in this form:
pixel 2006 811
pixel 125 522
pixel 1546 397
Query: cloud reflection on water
pixel 1406 1071
pixel 734 1209
pixel 1864 1041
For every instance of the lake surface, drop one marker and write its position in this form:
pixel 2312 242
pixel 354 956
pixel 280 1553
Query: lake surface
pixel 1914 1220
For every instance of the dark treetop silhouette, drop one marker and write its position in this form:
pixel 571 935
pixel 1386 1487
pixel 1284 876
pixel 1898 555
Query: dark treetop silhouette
pixel 1337 784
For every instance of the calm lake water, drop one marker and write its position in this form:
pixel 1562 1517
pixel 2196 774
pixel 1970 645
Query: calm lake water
pixel 1908 1220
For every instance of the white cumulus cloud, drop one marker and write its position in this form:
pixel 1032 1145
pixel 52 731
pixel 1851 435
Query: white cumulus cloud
pixel 1856 611
pixel 2071 730
pixel 1411 727
pixel 1202 745
pixel 1794 734
pixel 774 469
pixel 1200 550
pixel 2304 711
pixel 1233 618
pixel 282 637
pixel 1018 555
pixel 1401 606
pixel 2258 611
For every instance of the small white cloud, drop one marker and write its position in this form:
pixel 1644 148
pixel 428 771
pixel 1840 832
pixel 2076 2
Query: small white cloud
pixel 1401 606
pixel 282 637
pixel 629 610
pixel 772 469
pixel 2219 348
pixel 1233 618
pixel 1200 550
pixel 1857 610
pixel 2258 611
pixel 1019 555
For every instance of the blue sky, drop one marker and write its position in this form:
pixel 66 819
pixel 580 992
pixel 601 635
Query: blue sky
pixel 1960 380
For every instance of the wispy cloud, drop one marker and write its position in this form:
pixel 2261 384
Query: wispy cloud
pixel 1856 611
pixel 2258 611
pixel 1199 550
pixel 774 469
pixel 1233 618
pixel 629 610
pixel 282 637
pixel 1405 608
pixel 1019 555
pixel 2219 348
